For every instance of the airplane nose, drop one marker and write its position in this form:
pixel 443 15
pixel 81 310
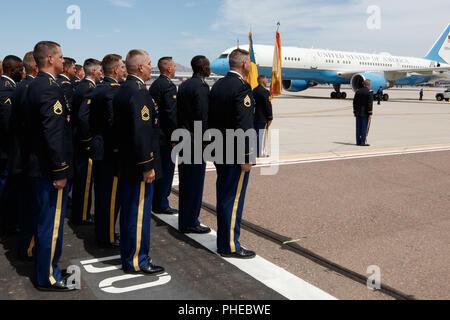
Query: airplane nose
pixel 220 66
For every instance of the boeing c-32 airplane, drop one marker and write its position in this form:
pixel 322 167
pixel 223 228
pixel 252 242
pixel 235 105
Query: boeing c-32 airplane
pixel 306 68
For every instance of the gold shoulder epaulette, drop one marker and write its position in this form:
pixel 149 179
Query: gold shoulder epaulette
pixel 115 84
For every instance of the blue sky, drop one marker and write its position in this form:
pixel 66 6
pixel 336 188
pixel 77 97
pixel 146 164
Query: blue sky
pixel 185 28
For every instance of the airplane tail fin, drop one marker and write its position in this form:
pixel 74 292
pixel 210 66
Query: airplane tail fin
pixel 441 50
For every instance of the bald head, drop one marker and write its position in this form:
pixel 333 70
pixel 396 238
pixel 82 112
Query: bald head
pixel 139 64
pixel 367 83
pixel 1 67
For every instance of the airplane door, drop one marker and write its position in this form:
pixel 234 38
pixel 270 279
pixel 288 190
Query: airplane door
pixel 314 62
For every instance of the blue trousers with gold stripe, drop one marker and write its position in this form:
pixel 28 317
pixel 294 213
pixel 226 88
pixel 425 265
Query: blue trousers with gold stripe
pixel 192 180
pixel 163 186
pixel 106 201
pixel 231 187
pixel 362 126
pixel 82 189
pixel 136 210
pixel 51 210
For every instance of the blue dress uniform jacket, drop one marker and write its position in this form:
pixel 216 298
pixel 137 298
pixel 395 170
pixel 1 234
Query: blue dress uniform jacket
pixel 50 130
pixel 7 88
pixel 75 81
pixel 68 87
pixel 18 164
pixel 80 115
pixel 136 131
pixel 50 159
pixel 82 184
pixel 263 107
pixel 363 102
pixel 192 105
pixel 231 107
pixel 101 119
pixel 7 184
pixel 20 123
pixel 263 114
pixel 164 92
pixel 137 141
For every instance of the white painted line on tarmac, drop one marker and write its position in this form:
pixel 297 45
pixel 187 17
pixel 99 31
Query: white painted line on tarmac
pixel 338 157
pixel 271 275
pixel 326 157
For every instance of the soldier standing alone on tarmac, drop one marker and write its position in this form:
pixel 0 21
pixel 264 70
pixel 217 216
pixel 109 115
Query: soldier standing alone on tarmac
pixel 363 110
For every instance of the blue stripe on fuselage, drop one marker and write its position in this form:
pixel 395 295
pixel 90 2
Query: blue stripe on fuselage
pixel 222 67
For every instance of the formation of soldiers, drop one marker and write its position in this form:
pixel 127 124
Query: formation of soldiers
pixel 64 126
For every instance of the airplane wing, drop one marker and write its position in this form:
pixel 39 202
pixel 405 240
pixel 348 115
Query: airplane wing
pixel 392 75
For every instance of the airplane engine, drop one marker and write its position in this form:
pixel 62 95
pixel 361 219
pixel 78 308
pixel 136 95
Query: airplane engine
pixel 377 80
pixel 295 85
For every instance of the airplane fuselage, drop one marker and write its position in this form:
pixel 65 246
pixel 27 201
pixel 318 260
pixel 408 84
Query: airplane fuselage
pixel 326 66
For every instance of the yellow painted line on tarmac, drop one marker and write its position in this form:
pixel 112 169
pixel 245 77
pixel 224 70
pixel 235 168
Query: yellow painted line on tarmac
pixel 361 152
pixel 344 155
pixel 313 112
pixel 311 115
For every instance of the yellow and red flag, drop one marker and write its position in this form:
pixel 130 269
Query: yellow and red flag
pixel 252 78
pixel 276 83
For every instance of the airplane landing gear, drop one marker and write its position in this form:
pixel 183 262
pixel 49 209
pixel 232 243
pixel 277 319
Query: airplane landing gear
pixel 337 94
pixel 384 98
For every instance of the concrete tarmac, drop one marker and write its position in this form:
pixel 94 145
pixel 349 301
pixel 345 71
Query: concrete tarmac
pixel 389 211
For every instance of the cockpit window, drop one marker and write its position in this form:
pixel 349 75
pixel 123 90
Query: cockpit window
pixel 223 56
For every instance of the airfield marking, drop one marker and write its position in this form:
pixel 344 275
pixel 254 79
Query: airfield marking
pixel 338 156
pixel 347 155
pixel 311 115
pixel 271 275
pixel 313 112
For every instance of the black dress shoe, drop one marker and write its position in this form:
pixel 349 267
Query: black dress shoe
pixel 198 230
pixel 240 254
pixel 166 211
pixel 150 269
pixel 365 145
pixel 59 286
pixel 153 270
